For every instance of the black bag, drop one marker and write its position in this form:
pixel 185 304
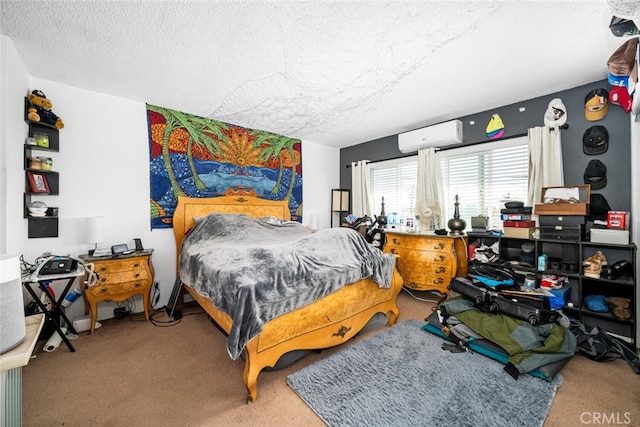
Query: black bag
pixel 598 345
pixel 495 276
pixel 376 237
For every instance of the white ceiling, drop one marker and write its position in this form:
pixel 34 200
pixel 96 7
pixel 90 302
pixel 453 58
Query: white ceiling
pixel 332 72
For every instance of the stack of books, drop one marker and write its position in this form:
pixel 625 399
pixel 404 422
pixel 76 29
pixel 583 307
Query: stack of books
pixel 516 220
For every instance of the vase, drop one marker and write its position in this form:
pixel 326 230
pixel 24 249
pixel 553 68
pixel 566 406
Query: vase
pixel 457 224
pixel 382 218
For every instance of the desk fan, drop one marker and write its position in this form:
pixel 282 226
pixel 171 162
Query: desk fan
pixel 428 212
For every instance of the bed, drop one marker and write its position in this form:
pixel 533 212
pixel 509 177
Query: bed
pixel 326 322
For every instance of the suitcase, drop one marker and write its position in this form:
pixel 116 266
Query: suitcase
pixel 530 309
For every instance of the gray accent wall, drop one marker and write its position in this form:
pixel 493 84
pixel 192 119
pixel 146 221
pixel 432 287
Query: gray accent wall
pixel 617 158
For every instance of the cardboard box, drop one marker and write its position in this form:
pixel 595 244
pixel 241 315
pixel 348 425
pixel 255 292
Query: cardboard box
pixel 615 237
pixel 551 205
pixel 564 293
pixel 518 232
pixel 618 220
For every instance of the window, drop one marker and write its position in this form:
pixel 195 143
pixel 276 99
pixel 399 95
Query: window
pixel 483 176
pixel 395 180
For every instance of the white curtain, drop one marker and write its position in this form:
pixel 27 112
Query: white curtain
pixel 361 188
pixel 429 188
pixel 545 161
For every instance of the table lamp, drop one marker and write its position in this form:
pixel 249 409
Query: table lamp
pixel 95 231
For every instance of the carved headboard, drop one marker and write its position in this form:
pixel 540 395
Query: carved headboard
pixel 190 207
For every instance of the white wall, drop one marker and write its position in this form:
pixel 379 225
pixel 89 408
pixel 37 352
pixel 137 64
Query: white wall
pixel 14 83
pixel 104 170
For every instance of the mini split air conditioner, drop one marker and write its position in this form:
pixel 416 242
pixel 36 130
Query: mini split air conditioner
pixel 440 135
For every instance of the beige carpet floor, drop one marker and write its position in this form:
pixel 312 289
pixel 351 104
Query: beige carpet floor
pixel 138 373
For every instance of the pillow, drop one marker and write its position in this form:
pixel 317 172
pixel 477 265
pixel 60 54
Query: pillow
pixel 274 221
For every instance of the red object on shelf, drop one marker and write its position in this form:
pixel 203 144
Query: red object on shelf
pixel 519 224
pixel 617 219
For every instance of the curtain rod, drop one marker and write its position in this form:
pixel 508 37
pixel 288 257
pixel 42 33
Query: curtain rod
pixel 444 149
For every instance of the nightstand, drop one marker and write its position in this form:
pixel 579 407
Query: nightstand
pixel 119 277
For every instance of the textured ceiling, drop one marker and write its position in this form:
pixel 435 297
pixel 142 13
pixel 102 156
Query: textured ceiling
pixel 332 72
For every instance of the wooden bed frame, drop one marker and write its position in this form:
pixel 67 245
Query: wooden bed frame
pixel 328 322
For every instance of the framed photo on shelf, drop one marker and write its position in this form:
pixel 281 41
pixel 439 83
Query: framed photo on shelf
pixel 38 182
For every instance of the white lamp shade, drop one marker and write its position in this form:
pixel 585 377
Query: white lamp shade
pixel 339 200
pixel 95 229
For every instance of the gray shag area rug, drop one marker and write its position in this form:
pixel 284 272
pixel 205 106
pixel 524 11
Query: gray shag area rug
pixel 402 377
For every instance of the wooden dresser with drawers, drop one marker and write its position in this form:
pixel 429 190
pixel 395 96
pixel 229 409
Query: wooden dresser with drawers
pixel 427 262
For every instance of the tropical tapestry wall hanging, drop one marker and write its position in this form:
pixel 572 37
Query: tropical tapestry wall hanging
pixel 200 157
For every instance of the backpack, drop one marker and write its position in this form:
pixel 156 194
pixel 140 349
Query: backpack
pixel 598 345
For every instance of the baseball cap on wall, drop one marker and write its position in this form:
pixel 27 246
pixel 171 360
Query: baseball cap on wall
pixel 596 175
pixel 621 27
pixel 618 80
pixel 620 96
pixel 595 140
pixel 628 82
pixel 621 61
pixel 556 114
pixel 596 104
pixel 598 207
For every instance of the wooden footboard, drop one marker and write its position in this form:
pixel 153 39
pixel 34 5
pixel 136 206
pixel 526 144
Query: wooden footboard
pixel 328 322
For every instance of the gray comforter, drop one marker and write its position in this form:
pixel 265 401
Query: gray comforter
pixel 257 269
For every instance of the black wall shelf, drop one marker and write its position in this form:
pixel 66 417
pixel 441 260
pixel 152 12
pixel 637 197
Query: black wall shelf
pixel 45 226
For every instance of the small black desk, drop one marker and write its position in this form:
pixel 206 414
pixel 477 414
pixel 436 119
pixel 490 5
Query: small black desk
pixel 53 315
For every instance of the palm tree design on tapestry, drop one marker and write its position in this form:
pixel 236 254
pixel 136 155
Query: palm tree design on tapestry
pixel 202 157
pixel 274 147
pixel 199 130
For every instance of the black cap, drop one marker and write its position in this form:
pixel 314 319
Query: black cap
pixel 596 175
pixel 621 27
pixel 598 208
pixel 595 140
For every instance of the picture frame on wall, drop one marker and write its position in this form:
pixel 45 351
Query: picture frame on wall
pixel 38 182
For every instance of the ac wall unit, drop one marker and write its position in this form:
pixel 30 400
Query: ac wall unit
pixel 440 135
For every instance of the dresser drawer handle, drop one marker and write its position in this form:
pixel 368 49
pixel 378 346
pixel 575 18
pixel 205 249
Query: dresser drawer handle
pixel 103 268
pixel 103 279
pixel 439 258
pixel 137 285
pixel 395 241
pixel 393 251
pixel 439 246
pixel 103 290
pixel 438 281
pixel 137 264
pixel 440 269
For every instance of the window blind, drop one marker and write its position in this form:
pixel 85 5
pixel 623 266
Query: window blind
pixel 483 176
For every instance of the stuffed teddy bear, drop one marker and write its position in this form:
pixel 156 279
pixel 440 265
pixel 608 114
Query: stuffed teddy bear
pixel 39 110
